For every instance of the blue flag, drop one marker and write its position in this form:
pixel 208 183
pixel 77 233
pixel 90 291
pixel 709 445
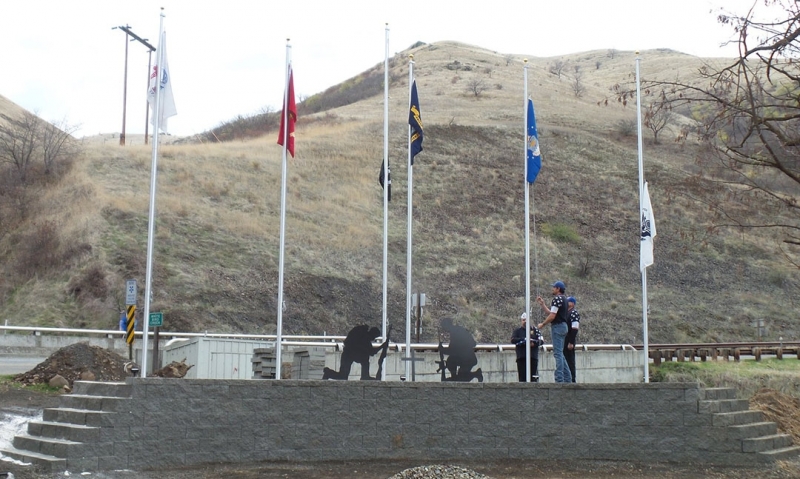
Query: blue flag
pixel 534 155
pixel 415 120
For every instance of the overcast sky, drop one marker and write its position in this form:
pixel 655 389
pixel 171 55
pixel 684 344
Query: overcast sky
pixel 64 60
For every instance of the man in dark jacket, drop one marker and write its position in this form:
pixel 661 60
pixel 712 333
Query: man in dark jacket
pixel 574 322
pixel 518 339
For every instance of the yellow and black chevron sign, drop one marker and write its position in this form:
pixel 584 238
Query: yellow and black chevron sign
pixel 129 323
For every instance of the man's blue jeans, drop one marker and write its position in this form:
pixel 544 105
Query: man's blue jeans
pixel 559 332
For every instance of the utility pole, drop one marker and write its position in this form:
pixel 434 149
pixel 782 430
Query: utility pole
pixel 151 48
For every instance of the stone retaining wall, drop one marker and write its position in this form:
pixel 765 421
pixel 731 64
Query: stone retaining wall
pixel 187 422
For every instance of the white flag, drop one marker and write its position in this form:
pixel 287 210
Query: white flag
pixel 648 231
pixel 166 100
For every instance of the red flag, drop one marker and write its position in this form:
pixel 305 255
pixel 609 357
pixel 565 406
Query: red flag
pixel 291 112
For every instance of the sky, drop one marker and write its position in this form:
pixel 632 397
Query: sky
pixel 66 62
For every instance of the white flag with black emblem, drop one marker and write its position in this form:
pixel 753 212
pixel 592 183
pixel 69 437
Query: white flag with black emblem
pixel 648 231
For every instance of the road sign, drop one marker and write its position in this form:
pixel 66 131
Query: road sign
pixel 156 320
pixel 130 323
pixel 130 292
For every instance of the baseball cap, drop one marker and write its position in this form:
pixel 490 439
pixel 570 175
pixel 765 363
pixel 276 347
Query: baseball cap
pixel 559 284
pixel 523 316
pixel 572 299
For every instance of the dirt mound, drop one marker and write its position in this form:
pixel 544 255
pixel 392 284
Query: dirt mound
pixel 782 409
pixel 72 361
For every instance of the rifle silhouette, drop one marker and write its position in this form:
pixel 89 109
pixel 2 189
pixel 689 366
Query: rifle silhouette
pixel 441 362
pixel 383 353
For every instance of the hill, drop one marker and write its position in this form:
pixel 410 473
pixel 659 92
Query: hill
pixel 216 245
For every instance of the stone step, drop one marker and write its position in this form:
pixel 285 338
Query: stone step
pixel 57 430
pixel 786 453
pixel 722 405
pixel 735 418
pixel 98 388
pixel 92 403
pixel 83 417
pixel 44 445
pixel 718 393
pixel 44 462
pixel 754 430
pixel 766 443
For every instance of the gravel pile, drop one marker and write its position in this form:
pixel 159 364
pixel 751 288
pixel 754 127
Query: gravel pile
pixel 439 471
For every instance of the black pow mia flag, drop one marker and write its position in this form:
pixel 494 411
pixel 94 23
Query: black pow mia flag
pixel 381 177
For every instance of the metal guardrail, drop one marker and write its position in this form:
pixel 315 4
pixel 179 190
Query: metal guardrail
pixel 288 339
pixel 724 351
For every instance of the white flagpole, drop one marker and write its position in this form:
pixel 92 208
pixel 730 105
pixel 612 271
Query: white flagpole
pixel 151 220
pixel 641 199
pixel 527 228
pixel 409 242
pixel 279 334
pixel 386 183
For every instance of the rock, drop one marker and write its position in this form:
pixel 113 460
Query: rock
pixel 87 376
pixel 58 381
pixel 174 370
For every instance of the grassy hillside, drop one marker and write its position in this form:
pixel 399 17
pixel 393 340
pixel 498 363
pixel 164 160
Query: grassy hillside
pixel 216 244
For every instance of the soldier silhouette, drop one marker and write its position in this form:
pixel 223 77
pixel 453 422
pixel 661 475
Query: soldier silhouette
pixel 358 348
pixel 461 354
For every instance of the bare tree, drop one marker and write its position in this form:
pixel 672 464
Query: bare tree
pixel 476 86
pixel 28 140
pixel 657 116
pixel 557 67
pixel 19 142
pixel 612 52
pixel 578 88
pixel 509 58
pixel 58 146
pixel 748 121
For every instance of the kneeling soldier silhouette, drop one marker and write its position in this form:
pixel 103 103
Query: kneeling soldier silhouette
pixel 358 348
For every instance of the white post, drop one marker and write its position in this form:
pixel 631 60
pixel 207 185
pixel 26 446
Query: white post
pixel 151 220
pixel 279 332
pixel 386 183
pixel 525 100
pixel 641 194
pixel 409 229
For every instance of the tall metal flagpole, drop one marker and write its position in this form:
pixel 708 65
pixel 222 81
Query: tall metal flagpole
pixel 527 228
pixel 279 334
pixel 408 232
pixel 641 195
pixel 151 221
pixel 386 183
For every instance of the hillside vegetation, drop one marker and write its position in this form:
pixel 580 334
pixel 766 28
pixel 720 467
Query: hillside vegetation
pixel 218 204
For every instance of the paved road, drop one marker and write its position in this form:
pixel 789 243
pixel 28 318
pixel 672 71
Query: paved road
pixel 17 364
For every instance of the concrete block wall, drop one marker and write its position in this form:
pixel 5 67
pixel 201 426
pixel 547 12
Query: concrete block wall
pixel 620 366
pixel 186 422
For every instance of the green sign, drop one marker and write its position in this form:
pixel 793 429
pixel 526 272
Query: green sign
pixel 156 320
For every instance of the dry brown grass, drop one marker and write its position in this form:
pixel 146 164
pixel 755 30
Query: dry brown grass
pixel 218 210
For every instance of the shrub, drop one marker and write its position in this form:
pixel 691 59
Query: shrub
pixel 561 233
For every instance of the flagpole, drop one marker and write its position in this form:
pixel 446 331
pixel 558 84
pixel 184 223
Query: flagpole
pixel 641 199
pixel 408 232
pixel 151 220
pixel 386 182
pixel 279 333
pixel 527 227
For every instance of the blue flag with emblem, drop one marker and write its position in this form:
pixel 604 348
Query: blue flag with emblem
pixel 534 157
pixel 415 121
